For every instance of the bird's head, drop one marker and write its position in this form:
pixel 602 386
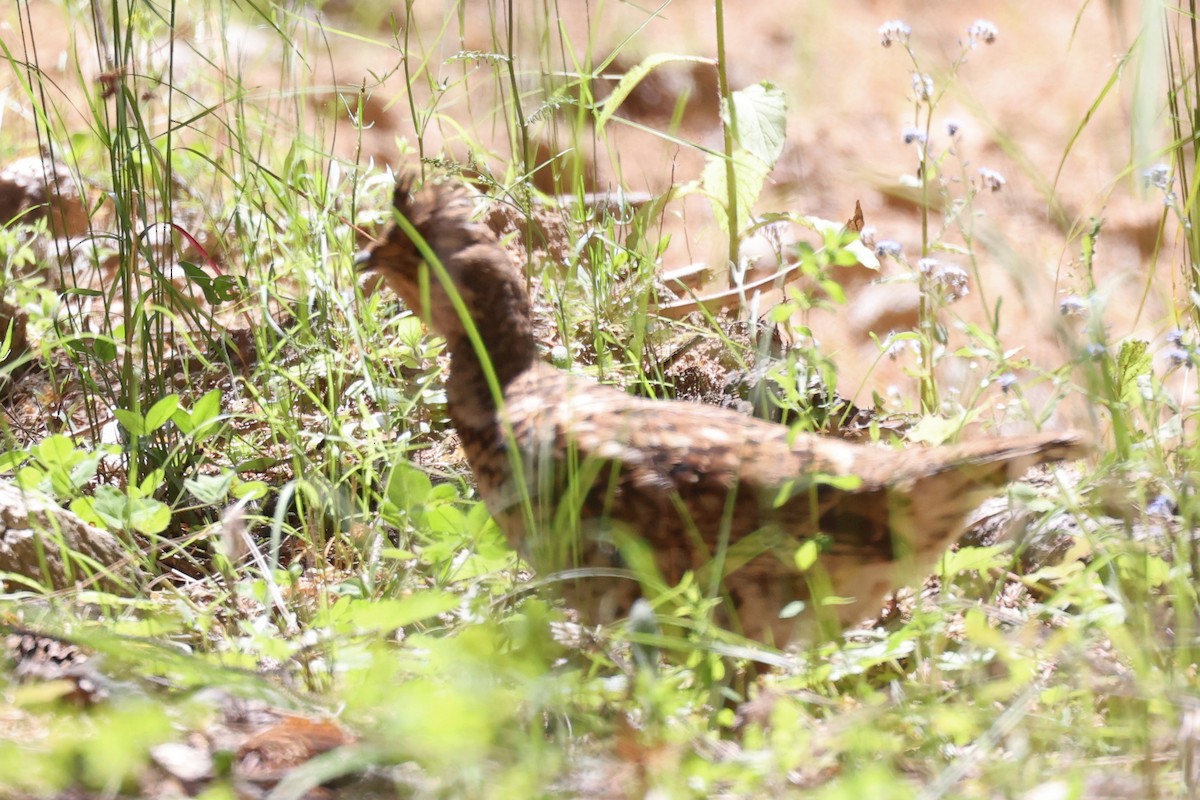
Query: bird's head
pixel 444 265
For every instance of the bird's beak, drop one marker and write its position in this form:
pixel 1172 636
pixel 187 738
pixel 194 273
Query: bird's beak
pixel 362 260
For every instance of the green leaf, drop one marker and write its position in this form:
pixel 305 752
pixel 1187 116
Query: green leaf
pixel 853 249
pixel 935 430
pixel 152 481
pixel 257 464
pixel 407 486
pixel 834 290
pixel 105 349
pixel 55 451
pixel 975 559
pixel 12 459
pixel 444 519
pixel 807 554
pixel 149 516
pixel 85 509
pixel 210 490
pixel 130 421
pixel 161 412
pixel 397 554
pixel 207 407
pixel 183 421
pixel 253 490
pixel 633 77
pixel 387 615
pixel 6 345
pixel 761 117
pixel 845 483
pixel 30 478
pixel 109 505
pixel 217 289
pixel 750 173
pixel 1133 362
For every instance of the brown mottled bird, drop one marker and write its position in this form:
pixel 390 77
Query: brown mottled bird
pixel 583 478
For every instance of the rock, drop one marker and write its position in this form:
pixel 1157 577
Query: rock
pixel 52 546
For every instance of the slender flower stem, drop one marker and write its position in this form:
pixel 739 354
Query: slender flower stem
pixel 728 130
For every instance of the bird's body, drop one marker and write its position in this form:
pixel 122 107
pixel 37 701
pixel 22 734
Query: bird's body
pixel 570 468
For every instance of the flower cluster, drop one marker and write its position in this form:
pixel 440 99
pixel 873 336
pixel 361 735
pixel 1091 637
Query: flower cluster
pixel 949 280
pixel 894 31
pixel 922 87
pixel 1158 176
pixel 982 31
pixel 1180 353
pixel 991 179
pixel 889 248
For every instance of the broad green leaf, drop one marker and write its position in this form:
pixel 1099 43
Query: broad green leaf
pixel 105 349
pixel 254 490
pixel 750 173
pixel 761 118
pixel 207 407
pixel 84 469
pixel 55 451
pixel 117 510
pixel 85 509
pixel 635 76
pixel 183 421
pixel 210 490
pixel 397 554
pixel 130 421
pixel 110 505
pixel 149 516
pixel 444 518
pixel 152 481
pixel 258 464
pixel 161 412
pixel 407 486
pixel 30 478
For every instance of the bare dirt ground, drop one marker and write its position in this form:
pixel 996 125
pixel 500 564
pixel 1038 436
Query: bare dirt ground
pixel 1018 104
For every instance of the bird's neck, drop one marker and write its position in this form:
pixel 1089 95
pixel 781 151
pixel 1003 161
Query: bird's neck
pixel 506 333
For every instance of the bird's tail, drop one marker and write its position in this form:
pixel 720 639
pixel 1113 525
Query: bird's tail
pixel 995 463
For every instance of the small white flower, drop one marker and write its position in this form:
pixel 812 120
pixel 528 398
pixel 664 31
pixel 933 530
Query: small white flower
pixel 867 237
pixel 912 134
pixel 894 31
pixel 1073 306
pixel 889 247
pixel 982 30
pixel 992 179
pixel 1158 176
pixel 922 87
pixel 952 281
